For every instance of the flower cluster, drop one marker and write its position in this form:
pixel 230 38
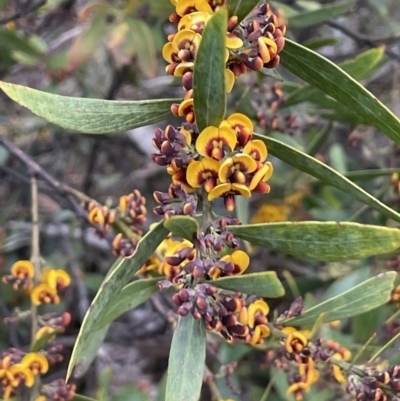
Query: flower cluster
pixel 223 160
pixel 372 385
pixel 18 370
pixel 47 291
pixel 131 213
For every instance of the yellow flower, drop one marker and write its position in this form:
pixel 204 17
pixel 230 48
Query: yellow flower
pixel 227 191
pixel 239 259
pixel 337 372
pixel 37 363
pixel 56 278
pixel 242 125
pixel 21 374
pixel 254 316
pixel 184 7
pixel 270 213
pixel 235 168
pixel 295 342
pixel 195 21
pixel 201 172
pixel 256 149
pixel 308 371
pixel 298 389
pixel 23 269
pixel 213 141
pixel 44 331
pixel 43 293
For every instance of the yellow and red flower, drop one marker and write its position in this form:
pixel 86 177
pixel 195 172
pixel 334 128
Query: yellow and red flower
pixel 37 363
pixel 255 317
pixel 21 374
pixel 240 261
pixel 23 269
pixel 195 21
pixel 203 171
pixel 184 7
pixel 213 142
pixel 182 49
pixel 43 293
pixel 56 278
pixel 242 125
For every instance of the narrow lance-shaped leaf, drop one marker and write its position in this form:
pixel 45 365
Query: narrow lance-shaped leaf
pixel 328 77
pixel 241 8
pixel 131 296
pixel 89 116
pixel 360 67
pixel 360 299
pixel 364 63
pixel 326 241
pixel 182 226
pixel 316 17
pixel 264 284
pixel 314 167
pixel 358 175
pixel 110 289
pixel 186 360
pixel 209 72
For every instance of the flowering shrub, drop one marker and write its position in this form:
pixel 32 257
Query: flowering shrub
pixel 199 257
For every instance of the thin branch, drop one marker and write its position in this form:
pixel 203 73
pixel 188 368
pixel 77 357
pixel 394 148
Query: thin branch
pixel 357 37
pixel 23 13
pixel 38 171
pixel 35 251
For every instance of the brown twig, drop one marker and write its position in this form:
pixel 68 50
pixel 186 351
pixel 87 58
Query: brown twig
pixel 357 37
pixel 23 13
pixel 38 171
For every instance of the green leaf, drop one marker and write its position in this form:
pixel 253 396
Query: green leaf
pixel 182 226
pixel 88 350
pixel 318 140
pixel 186 360
pixel 360 175
pixel 109 291
pixel 241 8
pixel 319 16
pixel 264 284
pixel 328 77
pixel 42 341
pixel 364 63
pixel 143 43
pixel 131 296
pixel 86 43
pixel 79 397
pixel 326 241
pixel 89 116
pixel 360 299
pixel 314 167
pixel 317 43
pixel 209 73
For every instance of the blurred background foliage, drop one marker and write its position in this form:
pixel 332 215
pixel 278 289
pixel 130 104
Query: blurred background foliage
pixel 111 50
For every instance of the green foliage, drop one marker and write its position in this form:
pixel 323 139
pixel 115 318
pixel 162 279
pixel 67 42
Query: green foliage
pixel 330 241
pixel 186 360
pixel 320 15
pixel 131 296
pixel 326 174
pixel 209 88
pixel 241 8
pixel 107 296
pixel 182 226
pixel 264 284
pixel 360 299
pixel 90 116
pixel 330 79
